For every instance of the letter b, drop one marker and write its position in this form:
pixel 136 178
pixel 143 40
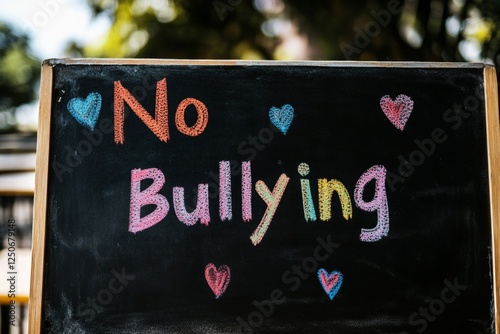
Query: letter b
pixel 51 7
pixel 139 198
pixel 426 145
pixel 383 17
pixel 266 307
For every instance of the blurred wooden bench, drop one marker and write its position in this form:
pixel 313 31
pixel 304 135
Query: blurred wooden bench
pixel 17 180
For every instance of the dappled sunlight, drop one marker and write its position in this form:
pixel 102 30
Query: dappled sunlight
pixel 436 30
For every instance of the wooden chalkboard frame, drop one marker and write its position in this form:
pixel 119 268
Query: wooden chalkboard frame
pixel 44 131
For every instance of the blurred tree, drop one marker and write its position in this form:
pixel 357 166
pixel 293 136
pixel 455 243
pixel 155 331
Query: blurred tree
pixel 431 30
pixel 19 73
pixel 180 29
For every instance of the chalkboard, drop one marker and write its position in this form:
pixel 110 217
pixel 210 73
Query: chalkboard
pixel 266 197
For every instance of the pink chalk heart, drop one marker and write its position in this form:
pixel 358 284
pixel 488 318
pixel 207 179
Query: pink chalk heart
pixel 397 111
pixel 217 278
pixel 331 282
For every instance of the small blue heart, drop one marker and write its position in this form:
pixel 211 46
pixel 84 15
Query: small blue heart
pixel 86 111
pixel 282 118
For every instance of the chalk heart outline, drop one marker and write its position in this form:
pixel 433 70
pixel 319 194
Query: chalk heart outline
pixel 86 112
pixel 331 283
pixel 282 117
pixel 397 111
pixel 217 278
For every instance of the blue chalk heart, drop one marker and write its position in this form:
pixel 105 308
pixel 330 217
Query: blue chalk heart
pixel 282 118
pixel 86 111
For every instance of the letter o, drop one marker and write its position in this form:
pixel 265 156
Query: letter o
pixel 433 304
pixel 43 16
pixel 139 89
pixel 309 260
pixel 147 84
pixel 213 190
pixel 101 294
pixel 369 31
pixel 201 121
pixel 251 318
pixel 475 103
pixel 266 136
pixel 413 158
pixel 80 148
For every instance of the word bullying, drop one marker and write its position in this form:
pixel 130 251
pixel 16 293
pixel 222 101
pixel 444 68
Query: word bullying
pixel 201 214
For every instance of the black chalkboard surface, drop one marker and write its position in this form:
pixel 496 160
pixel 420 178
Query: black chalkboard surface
pixel 265 197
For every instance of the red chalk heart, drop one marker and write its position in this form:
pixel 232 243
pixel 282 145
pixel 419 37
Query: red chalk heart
pixel 331 283
pixel 217 278
pixel 397 111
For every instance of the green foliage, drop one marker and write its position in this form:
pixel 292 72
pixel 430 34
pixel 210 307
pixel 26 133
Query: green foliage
pixel 234 29
pixel 181 29
pixel 431 30
pixel 19 71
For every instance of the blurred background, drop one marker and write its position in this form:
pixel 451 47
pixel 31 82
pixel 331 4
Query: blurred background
pixel 365 30
pixel 410 30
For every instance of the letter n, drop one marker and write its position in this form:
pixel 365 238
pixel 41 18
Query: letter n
pixel 158 125
pixel 325 192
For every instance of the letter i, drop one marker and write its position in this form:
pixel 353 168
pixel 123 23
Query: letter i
pixel 307 201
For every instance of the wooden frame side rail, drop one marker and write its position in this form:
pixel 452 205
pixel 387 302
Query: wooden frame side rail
pixel 493 138
pixel 40 203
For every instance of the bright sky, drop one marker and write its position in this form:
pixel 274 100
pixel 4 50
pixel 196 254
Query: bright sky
pixel 51 24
